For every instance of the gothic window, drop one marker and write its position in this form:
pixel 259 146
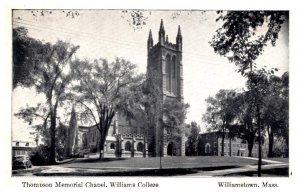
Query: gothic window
pixel 112 146
pixel 127 146
pixel 17 144
pixel 27 144
pixel 168 73
pixel 173 71
pixel 140 147
pixel 174 66
pixel 207 148
pixel 84 140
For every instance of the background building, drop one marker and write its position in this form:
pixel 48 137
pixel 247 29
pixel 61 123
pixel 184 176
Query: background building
pixel 22 147
pixel 211 145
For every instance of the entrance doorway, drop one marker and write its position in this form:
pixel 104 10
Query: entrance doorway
pixel 170 149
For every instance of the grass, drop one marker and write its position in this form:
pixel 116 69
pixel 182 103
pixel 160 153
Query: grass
pixel 171 166
pixel 153 163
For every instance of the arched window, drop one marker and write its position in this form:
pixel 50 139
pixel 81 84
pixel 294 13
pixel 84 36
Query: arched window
pixel 174 66
pixel 174 84
pixel 170 149
pixel 127 146
pixel 140 147
pixel 168 73
pixel 112 146
pixel 17 144
pixel 84 140
pixel 27 144
pixel 207 148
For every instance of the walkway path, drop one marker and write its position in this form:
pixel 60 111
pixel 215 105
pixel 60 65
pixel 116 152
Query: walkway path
pixel 265 160
pixel 248 168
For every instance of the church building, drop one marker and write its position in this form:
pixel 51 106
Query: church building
pixel 125 138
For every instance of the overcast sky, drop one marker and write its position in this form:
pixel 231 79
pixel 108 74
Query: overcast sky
pixel 107 34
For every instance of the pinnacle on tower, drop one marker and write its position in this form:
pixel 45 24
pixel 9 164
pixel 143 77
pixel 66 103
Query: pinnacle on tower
pixel 150 42
pixel 150 36
pixel 162 29
pixel 179 32
pixel 161 33
pixel 179 39
pixel 167 38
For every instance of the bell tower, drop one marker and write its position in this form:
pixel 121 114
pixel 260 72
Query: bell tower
pixel 165 59
pixel 165 63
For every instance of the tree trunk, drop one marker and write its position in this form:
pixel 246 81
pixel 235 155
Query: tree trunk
pixel 103 137
pixel 250 147
pixel 259 141
pixel 287 145
pixel 101 153
pixel 101 146
pixel 250 141
pixel 271 141
pixel 144 150
pixel 230 153
pixel 52 136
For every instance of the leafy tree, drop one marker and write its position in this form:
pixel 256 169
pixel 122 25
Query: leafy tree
pixel 50 77
pixel 221 112
pixel 25 51
pixel 61 138
pixel 238 40
pixel 142 103
pixel 285 95
pixel 275 110
pixel 152 103
pixel 245 126
pixel 100 89
pixel 40 154
pixel 192 142
pixel 174 114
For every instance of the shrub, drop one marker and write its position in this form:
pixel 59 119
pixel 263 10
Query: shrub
pixel 93 149
pixel 40 155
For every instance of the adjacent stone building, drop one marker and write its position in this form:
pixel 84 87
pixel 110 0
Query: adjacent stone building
pixel 211 145
pixel 124 139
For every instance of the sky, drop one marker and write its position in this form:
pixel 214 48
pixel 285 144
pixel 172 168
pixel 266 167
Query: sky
pixel 107 34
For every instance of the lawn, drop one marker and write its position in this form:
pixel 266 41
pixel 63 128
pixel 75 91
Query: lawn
pixel 171 166
pixel 167 162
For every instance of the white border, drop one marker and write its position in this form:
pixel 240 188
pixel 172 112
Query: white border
pixel 13 184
